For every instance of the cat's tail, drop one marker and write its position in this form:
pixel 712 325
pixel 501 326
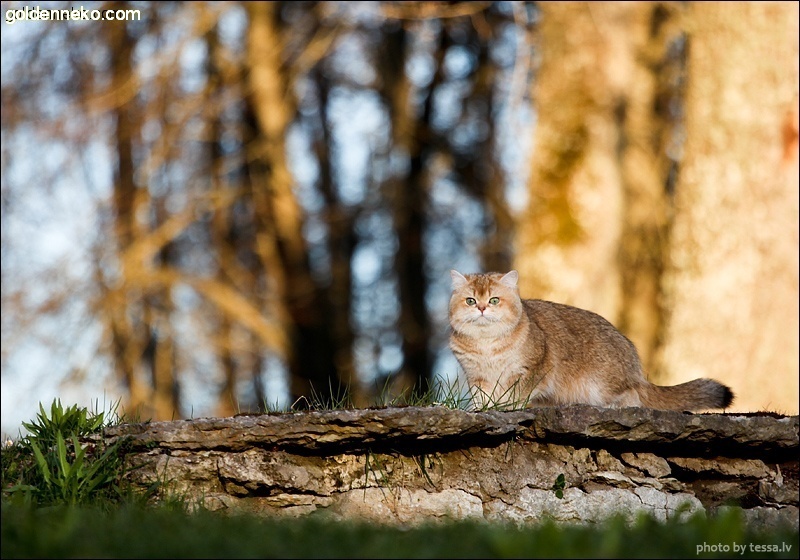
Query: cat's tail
pixel 698 394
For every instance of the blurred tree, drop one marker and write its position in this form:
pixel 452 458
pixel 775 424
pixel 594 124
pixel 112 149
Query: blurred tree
pixel 287 185
pixel 733 257
pixel 154 233
pixel 232 232
pixel 597 221
pixel 130 335
pixel 412 138
pixel 312 357
pixel 341 242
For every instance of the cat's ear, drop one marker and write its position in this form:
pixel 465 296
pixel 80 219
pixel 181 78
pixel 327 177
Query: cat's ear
pixel 510 279
pixel 458 279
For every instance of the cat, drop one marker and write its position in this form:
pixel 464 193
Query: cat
pixel 541 353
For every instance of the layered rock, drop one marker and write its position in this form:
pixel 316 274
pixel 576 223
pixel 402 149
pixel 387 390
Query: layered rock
pixel 413 464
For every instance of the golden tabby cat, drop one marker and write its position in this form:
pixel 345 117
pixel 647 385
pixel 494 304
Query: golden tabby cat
pixel 543 353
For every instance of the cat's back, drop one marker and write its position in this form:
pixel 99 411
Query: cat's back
pixel 565 321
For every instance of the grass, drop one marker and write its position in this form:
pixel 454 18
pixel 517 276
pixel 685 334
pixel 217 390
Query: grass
pixel 58 462
pixel 453 394
pixel 64 496
pixel 135 532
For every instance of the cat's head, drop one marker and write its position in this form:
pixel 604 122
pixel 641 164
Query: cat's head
pixel 485 304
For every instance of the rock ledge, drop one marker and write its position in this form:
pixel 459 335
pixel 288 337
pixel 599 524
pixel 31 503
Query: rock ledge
pixel 412 464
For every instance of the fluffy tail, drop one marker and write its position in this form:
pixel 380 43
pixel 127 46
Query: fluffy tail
pixel 699 394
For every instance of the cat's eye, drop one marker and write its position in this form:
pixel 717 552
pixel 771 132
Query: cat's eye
pixel 494 300
pixel 471 301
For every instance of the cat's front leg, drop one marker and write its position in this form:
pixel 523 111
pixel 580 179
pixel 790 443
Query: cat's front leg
pixel 480 398
pixel 541 401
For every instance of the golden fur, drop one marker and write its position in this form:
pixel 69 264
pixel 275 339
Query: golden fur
pixel 542 353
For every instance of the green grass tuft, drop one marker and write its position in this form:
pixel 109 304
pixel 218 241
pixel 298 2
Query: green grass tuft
pixel 59 463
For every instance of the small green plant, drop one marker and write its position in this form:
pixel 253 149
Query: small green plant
pixel 449 394
pixel 559 485
pixel 438 393
pixel 455 395
pixel 274 407
pixel 425 462
pixel 339 398
pixel 59 463
pixel 373 464
pixel 61 421
pixel 514 397
pixel 69 475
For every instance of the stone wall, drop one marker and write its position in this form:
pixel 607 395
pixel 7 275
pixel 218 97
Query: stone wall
pixel 410 464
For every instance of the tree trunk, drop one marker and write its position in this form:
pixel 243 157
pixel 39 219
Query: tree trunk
pixel 312 359
pixel 410 201
pixel 341 243
pixel 128 337
pixel 223 237
pixel 733 270
pixel 597 220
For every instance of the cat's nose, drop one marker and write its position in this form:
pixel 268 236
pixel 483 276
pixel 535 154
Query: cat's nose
pixel 482 308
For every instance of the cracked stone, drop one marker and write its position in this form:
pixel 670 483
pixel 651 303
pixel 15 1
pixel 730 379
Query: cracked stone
pixel 491 465
pixel 648 463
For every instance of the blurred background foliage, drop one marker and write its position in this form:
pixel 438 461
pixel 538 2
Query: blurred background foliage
pixel 220 207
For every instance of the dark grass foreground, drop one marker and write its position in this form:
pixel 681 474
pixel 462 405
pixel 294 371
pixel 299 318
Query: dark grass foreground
pixel 147 532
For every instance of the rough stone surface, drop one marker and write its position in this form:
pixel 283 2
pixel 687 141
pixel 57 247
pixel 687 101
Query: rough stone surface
pixel 411 464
